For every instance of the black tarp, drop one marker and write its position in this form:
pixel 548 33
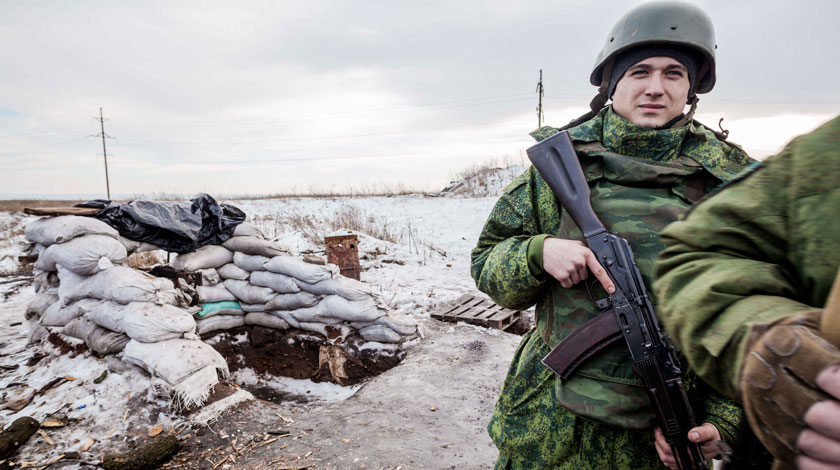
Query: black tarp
pixel 178 227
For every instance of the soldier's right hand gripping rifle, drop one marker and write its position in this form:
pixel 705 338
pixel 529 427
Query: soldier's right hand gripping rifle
pixel 628 311
pixel 779 378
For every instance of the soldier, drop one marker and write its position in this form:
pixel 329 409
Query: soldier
pixel 741 284
pixel 646 161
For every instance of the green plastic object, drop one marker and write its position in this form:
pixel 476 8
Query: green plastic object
pixel 207 309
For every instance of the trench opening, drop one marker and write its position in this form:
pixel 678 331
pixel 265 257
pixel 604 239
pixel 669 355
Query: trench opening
pixel 261 359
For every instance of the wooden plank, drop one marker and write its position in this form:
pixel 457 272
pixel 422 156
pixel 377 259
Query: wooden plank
pixel 476 310
pixel 59 210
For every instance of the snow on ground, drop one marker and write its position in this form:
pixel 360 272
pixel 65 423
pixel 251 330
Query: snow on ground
pixel 425 266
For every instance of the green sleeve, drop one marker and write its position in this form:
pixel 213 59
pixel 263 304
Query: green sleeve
pixel 722 412
pixel 724 272
pixel 535 254
pixel 500 260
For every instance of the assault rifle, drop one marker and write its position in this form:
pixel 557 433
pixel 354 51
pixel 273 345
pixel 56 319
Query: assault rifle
pixel 627 312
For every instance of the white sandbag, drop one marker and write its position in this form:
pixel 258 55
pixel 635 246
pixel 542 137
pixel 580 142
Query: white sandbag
pixel 280 283
pixel 332 332
pixel 299 269
pixel 290 319
pixel 313 315
pixel 125 285
pixel 350 310
pixel 247 230
pixel 108 315
pixel 209 276
pixel 252 307
pixel 210 294
pixel 292 301
pixel 174 359
pixel 85 255
pixel 194 389
pixel 220 322
pixel 38 305
pixel 401 324
pixel 150 323
pixel 208 256
pixel 134 246
pixel 267 320
pixel 380 333
pixel 59 315
pixel 68 282
pixel 250 262
pixel 255 246
pixel 350 289
pixel 51 230
pixel 249 293
pixel 232 271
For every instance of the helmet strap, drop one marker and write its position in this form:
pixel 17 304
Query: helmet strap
pixel 692 96
pixel 601 98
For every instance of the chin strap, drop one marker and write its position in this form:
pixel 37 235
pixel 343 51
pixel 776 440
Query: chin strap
pixel 601 98
pixel 690 114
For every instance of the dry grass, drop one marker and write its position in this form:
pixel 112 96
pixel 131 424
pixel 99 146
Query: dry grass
pixel 144 260
pixel 477 170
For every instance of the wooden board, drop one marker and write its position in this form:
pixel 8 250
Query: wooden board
pixel 60 210
pixel 477 310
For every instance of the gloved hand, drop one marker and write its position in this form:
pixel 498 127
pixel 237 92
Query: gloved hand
pixel 779 386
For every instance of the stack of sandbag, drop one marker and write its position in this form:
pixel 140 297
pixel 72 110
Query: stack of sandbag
pixel 261 284
pixel 83 293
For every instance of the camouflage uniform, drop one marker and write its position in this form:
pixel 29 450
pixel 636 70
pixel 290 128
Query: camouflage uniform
pixel 765 248
pixel 641 179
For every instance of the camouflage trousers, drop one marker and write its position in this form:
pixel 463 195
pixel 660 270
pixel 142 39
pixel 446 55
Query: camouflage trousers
pixel 533 432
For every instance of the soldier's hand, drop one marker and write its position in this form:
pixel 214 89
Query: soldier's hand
pixel 790 385
pixel 707 435
pixel 569 261
pixel 819 442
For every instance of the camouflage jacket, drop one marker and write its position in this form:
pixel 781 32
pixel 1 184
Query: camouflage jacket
pixel 765 247
pixel 641 180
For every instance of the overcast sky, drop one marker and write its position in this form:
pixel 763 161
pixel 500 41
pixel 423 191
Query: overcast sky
pixel 266 97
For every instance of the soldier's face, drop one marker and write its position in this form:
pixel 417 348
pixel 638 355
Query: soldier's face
pixel 652 91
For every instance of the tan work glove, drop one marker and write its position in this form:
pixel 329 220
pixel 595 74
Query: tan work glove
pixel 778 381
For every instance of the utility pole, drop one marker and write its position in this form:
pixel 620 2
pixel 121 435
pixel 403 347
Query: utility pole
pixel 104 153
pixel 539 107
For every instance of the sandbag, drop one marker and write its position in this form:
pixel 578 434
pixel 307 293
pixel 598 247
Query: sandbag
pixel 58 315
pixel 209 276
pixel 380 333
pixel 288 317
pixel 220 322
pixel 150 323
pixel 97 339
pixel 39 304
pixel 134 246
pixel 350 289
pixel 210 256
pixel 44 280
pixel 250 262
pixel 252 307
pixel 248 293
pixel 404 326
pixel 85 255
pixel 108 315
pixel 312 315
pixel 337 332
pixel 220 308
pixel 68 282
pixel 292 301
pixel 279 283
pixel 211 294
pixel 50 230
pixel 267 320
pixel 232 271
pixel 255 246
pixel 247 230
pixel 125 285
pixel 299 269
pixel 157 358
pixel 350 310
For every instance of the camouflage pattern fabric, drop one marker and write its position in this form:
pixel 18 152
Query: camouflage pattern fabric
pixel 764 248
pixel 636 194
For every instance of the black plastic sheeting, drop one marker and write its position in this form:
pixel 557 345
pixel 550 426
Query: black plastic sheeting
pixel 178 227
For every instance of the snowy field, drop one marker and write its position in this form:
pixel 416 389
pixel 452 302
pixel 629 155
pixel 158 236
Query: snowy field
pixel 423 266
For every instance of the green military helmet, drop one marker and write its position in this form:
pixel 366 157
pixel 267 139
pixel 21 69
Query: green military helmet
pixel 661 22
